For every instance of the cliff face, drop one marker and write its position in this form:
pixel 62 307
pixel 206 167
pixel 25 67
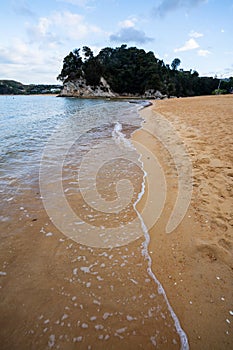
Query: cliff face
pixel 79 88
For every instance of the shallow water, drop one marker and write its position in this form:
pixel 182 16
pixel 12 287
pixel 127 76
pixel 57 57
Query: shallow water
pixel 74 248
pixel 27 123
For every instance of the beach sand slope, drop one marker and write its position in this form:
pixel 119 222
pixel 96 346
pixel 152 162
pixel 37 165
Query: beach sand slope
pixel 195 261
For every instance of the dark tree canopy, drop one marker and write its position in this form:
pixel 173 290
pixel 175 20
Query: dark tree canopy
pixel 134 71
pixel 87 52
pixel 72 65
pixel 175 63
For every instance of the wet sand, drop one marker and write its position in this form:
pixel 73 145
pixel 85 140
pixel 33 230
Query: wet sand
pixel 61 294
pixel 195 261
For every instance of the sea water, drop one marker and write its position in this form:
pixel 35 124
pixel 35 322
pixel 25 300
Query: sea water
pixel 27 123
pixel 74 158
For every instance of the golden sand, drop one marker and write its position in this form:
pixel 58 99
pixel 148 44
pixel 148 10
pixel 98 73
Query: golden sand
pixel 195 262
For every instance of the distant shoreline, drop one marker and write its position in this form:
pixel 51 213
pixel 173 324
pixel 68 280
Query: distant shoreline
pixel 13 95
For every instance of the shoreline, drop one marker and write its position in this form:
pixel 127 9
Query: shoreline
pixel 194 262
pixel 58 291
pixel 184 343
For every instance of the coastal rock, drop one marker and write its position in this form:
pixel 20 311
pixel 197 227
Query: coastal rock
pixel 154 94
pixel 79 88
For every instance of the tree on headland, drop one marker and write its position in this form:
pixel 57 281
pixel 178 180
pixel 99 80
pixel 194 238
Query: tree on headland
pixel 72 65
pixel 87 52
pixel 175 63
pixel 92 70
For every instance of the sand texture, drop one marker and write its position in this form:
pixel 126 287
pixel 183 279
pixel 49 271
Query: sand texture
pixel 59 294
pixel 195 261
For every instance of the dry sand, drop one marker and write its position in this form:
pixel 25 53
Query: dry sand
pixel 195 262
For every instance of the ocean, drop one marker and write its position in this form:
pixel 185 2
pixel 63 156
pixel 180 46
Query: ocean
pixel 75 261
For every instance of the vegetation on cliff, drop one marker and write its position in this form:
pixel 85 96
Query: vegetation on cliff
pixel 134 71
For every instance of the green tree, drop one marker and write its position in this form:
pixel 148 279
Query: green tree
pixel 175 63
pixel 92 71
pixel 87 52
pixel 72 66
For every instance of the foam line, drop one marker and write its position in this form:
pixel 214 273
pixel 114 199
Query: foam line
pixel 120 138
pixel 145 253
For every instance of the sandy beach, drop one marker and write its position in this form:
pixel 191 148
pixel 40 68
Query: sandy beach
pixel 195 262
pixel 59 294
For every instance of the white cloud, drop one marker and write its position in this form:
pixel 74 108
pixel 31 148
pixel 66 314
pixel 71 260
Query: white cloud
pixel 72 25
pixel 43 26
pixel 127 23
pixel 60 26
pixel 190 44
pixel 195 34
pixel 28 62
pixel 23 53
pixel 30 74
pixel 130 22
pixel 41 33
pixel 203 53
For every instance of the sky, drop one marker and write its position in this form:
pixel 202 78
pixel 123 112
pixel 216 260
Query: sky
pixel 36 35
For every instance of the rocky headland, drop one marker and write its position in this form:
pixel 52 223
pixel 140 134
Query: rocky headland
pixel 80 88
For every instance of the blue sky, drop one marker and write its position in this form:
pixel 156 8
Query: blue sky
pixel 36 35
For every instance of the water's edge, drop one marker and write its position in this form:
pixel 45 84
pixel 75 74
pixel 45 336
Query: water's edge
pixel 145 249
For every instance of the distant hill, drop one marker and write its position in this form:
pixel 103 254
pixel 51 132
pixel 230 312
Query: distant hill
pixel 12 87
